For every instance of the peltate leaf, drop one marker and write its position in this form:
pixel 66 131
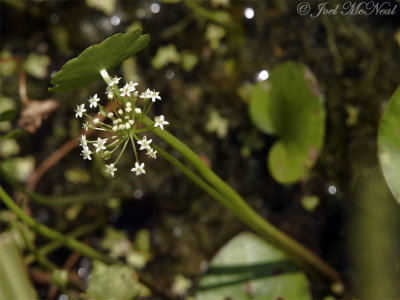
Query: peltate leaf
pixel 389 144
pixel 86 68
pixel 290 106
pixel 248 268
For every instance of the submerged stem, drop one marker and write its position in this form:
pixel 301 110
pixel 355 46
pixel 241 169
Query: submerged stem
pixel 53 234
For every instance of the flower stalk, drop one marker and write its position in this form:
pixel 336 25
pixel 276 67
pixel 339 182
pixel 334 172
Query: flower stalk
pixel 222 192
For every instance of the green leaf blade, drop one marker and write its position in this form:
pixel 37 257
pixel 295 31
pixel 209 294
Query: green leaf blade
pixel 107 55
pixel 289 105
pixel 14 279
pixel 8 115
pixel 389 144
pixel 248 268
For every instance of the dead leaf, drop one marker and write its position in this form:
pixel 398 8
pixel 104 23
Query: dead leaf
pixel 35 112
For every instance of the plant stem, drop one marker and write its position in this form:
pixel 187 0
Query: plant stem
pixel 53 234
pixel 244 212
pixel 53 245
pixel 236 204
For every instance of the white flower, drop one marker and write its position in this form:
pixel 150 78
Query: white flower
pixel 154 95
pixel 128 104
pixel 114 80
pixel 146 94
pixel 93 101
pixel 110 115
pixel 99 144
pixel 96 121
pixel 126 90
pixel 128 109
pixel 144 143
pixel 110 169
pixel 120 111
pixel 151 153
pixel 131 122
pixel 115 128
pixel 86 153
pixel 109 92
pixel 131 85
pixel 139 169
pixel 80 109
pixel 138 110
pixel 160 121
pixel 127 126
pixel 83 141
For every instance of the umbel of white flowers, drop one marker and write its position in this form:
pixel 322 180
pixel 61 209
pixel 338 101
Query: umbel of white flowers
pixel 121 125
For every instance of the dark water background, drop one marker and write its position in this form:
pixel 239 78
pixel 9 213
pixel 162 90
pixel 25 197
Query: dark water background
pixel 356 60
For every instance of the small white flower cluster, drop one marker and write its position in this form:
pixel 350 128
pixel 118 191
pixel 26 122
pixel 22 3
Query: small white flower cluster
pixel 121 125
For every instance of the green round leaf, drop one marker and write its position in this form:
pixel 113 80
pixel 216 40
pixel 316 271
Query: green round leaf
pixel 86 68
pixel 248 268
pixel 389 144
pixel 114 282
pixel 290 106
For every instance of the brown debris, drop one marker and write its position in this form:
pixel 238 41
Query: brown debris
pixel 35 112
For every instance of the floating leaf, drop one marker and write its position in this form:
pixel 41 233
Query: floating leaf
pixel 217 124
pixel 36 65
pixel 389 144
pixel 309 203
pixel 59 277
pixel 189 61
pixel 214 34
pixel 116 242
pixel 7 67
pixel 106 6
pixel 289 105
pixel 165 55
pixel 248 268
pixel 181 285
pixel 114 282
pixel 20 168
pixel 86 68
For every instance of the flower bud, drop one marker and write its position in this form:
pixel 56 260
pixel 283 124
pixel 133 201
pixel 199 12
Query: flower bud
pixel 106 155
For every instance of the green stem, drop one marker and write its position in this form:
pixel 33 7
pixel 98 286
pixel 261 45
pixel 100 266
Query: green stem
pixel 122 151
pixel 52 234
pixel 134 147
pixel 41 259
pixel 222 192
pixel 244 212
pixel 191 175
pixel 53 245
